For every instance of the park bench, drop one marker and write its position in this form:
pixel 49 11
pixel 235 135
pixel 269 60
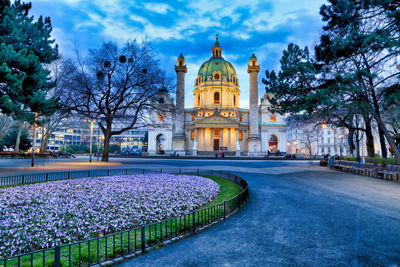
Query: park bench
pixel 365 168
pixel 392 173
pixel 354 166
pixel 372 170
pixel 381 173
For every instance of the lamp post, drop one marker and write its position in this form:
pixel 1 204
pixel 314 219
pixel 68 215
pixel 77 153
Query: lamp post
pixel 97 144
pixel 34 142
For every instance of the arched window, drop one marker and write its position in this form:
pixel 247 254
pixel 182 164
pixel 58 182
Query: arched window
pixel 216 53
pixel 216 77
pixel 234 80
pixel 198 100
pixel 216 98
pixel 234 100
pixel 180 63
pixel 161 100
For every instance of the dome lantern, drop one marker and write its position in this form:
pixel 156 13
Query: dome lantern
pixel 217 50
pixel 181 60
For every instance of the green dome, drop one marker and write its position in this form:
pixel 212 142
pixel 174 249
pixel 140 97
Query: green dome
pixel 220 64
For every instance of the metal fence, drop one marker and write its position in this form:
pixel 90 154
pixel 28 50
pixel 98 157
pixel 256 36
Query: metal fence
pixel 129 242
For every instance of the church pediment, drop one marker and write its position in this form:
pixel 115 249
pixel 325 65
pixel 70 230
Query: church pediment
pixel 216 118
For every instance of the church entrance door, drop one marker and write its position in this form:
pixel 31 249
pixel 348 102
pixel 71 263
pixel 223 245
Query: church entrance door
pixel 216 144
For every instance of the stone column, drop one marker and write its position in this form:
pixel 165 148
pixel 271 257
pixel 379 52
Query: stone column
pixel 211 138
pixel 229 139
pixel 178 139
pixel 195 143
pixel 237 142
pixel 221 141
pixel 254 134
pixel 204 139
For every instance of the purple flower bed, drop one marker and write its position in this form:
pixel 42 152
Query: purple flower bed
pixel 45 214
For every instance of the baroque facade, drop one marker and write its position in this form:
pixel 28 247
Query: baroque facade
pixel 216 122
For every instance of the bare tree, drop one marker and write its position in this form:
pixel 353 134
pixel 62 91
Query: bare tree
pixel 307 131
pixel 115 85
pixel 6 123
pixel 60 72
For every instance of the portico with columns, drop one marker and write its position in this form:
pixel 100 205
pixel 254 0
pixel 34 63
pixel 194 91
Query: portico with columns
pixel 216 123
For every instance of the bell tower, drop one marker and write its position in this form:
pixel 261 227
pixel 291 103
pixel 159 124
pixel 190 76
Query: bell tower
pixel 178 139
pixel 254 132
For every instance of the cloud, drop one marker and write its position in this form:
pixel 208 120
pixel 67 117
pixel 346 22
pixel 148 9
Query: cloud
pixel 157 7
pixel 264 27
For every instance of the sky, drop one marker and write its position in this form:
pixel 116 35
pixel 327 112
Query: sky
pixel 263 27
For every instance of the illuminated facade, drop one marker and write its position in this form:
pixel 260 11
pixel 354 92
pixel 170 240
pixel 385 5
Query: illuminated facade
pixel 79 135
pixel 216 122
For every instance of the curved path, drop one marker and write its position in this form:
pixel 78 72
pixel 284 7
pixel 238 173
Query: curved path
pixel 297 215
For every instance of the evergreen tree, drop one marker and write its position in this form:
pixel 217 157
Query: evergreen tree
pixel 25 46
pixel 363 38
pixel 353 72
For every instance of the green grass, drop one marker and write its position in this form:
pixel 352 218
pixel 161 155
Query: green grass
pixel 118 244
pixel 228 190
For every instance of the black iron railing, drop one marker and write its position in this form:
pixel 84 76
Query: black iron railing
pixel 129 242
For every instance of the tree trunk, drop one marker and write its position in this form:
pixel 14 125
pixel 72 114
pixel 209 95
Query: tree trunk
pixel 357 146
pixel 369 137
pixel 350 139
pixel 16 149
pixel 43 145
pixel 383 143
pixel 389 138
pixel 106 144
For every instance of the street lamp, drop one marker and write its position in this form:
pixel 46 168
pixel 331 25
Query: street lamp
pixel 34 142
pixel 91 137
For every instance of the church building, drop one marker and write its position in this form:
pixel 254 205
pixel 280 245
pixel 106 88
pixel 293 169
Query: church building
pixel 216 123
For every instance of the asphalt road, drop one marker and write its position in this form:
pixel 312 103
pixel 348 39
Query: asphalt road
pixel 297 215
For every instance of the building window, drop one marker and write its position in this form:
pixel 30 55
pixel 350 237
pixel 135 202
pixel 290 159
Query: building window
pixel 272 119
pixel 329 149
pixel 198 100
pixel 192 135
pixel 322 141
pixel 329 140
pixel 234 100
pixel 322 150
pixel 193 117
pixel 240 118
pixel 161 100
pixel 234 80
pixel 329 132
pixel 216 76
pixel 160 117
pixel 216 98
pixel 240 135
